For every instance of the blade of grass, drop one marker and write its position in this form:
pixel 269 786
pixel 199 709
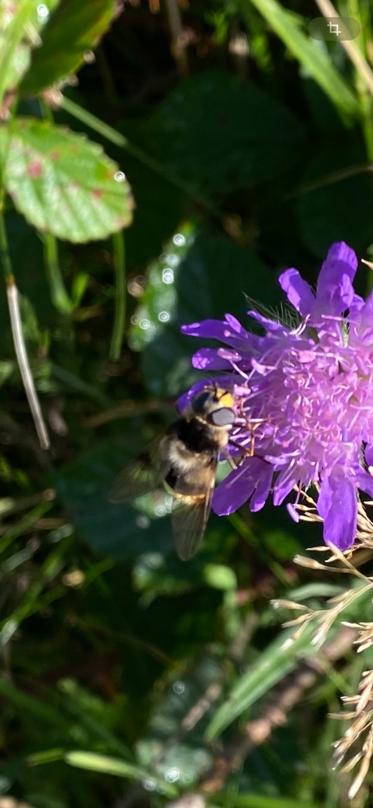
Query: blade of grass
pixel 352 49
pixel 274 663
pixel 119 768
pixel 119 257
pixel 308 52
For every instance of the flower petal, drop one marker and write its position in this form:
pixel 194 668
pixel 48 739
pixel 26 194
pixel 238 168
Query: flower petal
pixel 335 292
pixel 254 474
pixel 337 505
pixel 223 331
pixel 298 291
pixel 262 488
pixel 209 359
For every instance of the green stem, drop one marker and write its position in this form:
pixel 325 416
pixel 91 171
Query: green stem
pixel 59 295
pixel 120 140
pixel 120 296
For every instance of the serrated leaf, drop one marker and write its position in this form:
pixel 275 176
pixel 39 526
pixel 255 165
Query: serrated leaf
pixel 310 53
pixel 20 24
pixel 63 183
pixel 279 659
pixel 72 31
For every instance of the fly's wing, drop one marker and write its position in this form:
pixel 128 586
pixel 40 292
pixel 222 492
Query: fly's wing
pixel 192 505
pixel 140 477
pixel 189 524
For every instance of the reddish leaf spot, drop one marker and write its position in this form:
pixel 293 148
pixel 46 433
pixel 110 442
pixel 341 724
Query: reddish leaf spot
pixel 34 169
pixel 97 193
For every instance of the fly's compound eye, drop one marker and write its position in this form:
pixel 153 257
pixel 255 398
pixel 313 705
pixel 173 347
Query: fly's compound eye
pixel 224 416
pixel 199 403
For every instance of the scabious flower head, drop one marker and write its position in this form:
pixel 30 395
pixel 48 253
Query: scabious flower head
pixel 303 396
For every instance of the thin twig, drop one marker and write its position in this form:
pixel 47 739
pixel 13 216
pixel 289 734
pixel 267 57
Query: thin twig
pixel 23 363
pixel 178 41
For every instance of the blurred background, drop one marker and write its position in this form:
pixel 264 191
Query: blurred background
pixel 241 146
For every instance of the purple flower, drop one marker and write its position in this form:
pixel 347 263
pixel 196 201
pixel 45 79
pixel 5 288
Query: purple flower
pixel 304 397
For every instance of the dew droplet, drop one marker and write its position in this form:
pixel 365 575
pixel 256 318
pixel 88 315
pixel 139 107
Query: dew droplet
pixel 154 561
pixel 287 643
pixel 164 316
pixel 178 687
pixel 89 57
pixel 171 259
pixel 168 275
pixel 172 775
pixel 42 11
pixel 179 240
pixel 143 521
pixel 149 784
pixel 144 324
pixel 119 176
pixel 160 510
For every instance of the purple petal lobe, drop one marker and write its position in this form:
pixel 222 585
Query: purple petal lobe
pixel 209 359
pixel 337 505
pixel 254 474
pixel 298 291
pixel 340 251
pixel 335 292
pixel 369 455
pixel 227 331
pixel 262 487
pixel 365 482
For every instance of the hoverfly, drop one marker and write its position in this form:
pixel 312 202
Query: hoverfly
pixel 184 462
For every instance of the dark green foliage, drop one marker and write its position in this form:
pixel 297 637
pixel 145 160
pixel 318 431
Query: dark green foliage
pixel 128 678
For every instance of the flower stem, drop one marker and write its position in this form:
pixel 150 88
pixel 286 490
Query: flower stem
pixel 59 295
pixel 120 296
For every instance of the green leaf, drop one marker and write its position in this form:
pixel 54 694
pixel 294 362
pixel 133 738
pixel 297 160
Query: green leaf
pixel 223 133
pixel 200 274
pixel 335 200
pixel 62 183
pixel 274 663
pixel 169 745
pixel 20 24
pixel 310 53
pixel 122 531
pixel 72 31
pixel 118 768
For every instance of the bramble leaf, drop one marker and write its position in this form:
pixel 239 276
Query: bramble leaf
pixel 63 183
